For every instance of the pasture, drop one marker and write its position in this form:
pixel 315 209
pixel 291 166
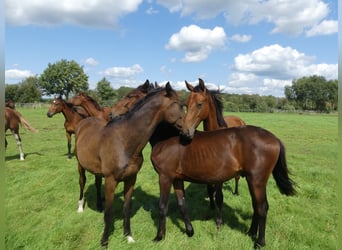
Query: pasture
pixel 42 193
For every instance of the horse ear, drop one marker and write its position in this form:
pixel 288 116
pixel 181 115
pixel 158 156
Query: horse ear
pixel 189 86
pixel 201 84
pixel 168 89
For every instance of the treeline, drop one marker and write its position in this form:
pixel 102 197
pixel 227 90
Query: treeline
pixel 66 78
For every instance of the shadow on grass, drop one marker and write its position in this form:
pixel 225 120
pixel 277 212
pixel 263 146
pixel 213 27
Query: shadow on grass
pixel 197 206
pixel 17 157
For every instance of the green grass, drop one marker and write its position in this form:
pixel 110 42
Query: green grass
pixel 42 193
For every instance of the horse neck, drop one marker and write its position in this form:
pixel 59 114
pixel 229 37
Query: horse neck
pixel 67 112
pixel 91 109
pixel 148 118
pixel 211 121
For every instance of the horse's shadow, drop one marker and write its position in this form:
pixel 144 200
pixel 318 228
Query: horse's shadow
pixel 17 156
pixel 197 206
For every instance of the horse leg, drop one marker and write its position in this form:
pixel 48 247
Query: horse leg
pixel 110 185
pixel 18 141
pixel 164 188
pixel 98 183
pixel 237 178
pixel 128 192
pixel 260 208
pixel 219 203
pixel 211 193
pixel 178 186
pixel 82 181
pixel 68 135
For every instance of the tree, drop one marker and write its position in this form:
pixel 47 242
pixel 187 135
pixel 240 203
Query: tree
pixel 105 91
pixel 313 93
pixel 63 78
pixel 25 92
pixel 28 90
pixel 11 92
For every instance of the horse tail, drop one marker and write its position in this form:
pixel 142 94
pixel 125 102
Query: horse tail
pixel 281 174
pixel 26 124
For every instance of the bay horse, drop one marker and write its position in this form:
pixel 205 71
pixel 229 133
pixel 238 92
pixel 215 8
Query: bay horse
pixel 115 151
pixel 12 120
pixel 125 103
pixel 90 105
pixel 213 157
pixel 211 114
pixel 71 115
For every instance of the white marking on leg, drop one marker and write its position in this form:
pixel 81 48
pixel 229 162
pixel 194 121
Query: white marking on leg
pixel 80 206
pixel 130 239
pixel 16 136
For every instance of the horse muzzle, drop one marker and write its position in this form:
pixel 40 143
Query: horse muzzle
pixel 188 133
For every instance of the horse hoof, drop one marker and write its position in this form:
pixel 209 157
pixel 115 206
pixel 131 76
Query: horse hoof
pixel 190 233
pixel 130 239
pixel 257 246
pixel 157 238
pixel 104 244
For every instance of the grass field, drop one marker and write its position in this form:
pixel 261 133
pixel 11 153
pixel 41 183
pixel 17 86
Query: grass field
pixel 42 194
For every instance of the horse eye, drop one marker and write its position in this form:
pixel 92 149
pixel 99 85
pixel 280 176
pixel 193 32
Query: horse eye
pixel 199 105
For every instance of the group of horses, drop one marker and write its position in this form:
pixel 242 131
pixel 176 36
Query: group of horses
pixel 109 143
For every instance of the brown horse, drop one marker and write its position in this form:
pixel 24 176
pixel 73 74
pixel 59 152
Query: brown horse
pixel 211 115
pixel 91 106
pixel 213 157
pixel 233 121
pixel 72 117
pixel 115 151
pixel 12 120
pixel 122 106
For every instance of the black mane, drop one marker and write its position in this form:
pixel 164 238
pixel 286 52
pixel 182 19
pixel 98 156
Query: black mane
pixel 215 96
pixel 136 106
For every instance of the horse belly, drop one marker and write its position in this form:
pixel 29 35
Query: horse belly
pixel 210 167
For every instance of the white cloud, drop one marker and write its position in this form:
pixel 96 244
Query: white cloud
pixel 274 60
pixel 326 27
pixel 95 13
pixel 17 74
pixel 288 16
pixel 123 72
pixel 269 69
pixel 91 62
pixel 241 38
pixel 197 43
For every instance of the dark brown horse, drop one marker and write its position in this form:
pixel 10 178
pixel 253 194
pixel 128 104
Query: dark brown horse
pixel 12 120
pixel 211 114
pixel 71 115
pixel 115 151
pixel 214 157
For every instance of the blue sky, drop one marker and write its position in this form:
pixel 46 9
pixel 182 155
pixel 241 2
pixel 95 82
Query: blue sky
pixel 252 46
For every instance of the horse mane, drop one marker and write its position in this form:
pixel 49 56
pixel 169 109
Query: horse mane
pixel 136 106
pixel 92 100
pixel 215 96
